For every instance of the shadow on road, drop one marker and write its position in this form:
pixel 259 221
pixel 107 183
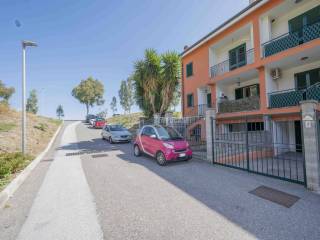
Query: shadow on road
pixel 225 191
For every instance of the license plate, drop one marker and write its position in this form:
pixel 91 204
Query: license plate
pixel 182 155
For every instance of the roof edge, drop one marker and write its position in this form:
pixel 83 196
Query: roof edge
pixel 224 25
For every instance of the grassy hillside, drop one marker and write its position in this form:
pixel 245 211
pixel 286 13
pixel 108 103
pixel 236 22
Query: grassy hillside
pixel 39 132
pixel 130 121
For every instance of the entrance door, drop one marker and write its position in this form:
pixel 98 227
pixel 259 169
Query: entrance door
pixel 298 136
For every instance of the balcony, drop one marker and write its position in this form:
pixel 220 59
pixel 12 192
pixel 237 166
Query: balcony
pixel 293 97
pixel 292 39
pixel 239 105
pixel 227 66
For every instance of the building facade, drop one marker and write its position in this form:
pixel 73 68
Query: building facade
pixel 258 65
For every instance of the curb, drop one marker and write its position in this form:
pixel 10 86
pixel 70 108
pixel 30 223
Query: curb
pixel 22 176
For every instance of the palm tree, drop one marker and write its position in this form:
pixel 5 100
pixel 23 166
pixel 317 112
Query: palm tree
pixel 156 78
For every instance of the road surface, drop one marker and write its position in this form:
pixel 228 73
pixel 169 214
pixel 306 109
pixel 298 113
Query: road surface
pixel 87 188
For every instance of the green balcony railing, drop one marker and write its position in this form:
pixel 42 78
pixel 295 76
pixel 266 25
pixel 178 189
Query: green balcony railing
pixel 285 98
pixel 293 97
pixel 292 39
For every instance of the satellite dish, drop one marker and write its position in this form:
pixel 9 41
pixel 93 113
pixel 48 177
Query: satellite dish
pixel 17 23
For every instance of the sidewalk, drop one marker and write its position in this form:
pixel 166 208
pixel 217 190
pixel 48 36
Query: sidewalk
pixel 64 206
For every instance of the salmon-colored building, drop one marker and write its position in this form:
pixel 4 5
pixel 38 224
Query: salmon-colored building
pixel 262 63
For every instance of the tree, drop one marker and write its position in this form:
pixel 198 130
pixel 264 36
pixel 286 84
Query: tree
pixel 60 112
pixel 156 79
pixel 103 114
pixel 89 92
pixel 5 92
pixel 32 102
pixel 126 95
pixel 176 98
pixel 113 105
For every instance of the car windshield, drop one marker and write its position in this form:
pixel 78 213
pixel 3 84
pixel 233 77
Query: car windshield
pixel 168 133
pixel 116 128
pixel 99 119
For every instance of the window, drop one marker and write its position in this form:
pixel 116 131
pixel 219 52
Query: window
pixel 189 69
pixel 307 78
pixel 237 57
pixel 251 127
pixel 310 17
pixel 255 126
pixel 248 91
pixel 190 100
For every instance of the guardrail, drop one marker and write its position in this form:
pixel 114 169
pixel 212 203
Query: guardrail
pixel 225 66
pixel 292 97
pixel 291 39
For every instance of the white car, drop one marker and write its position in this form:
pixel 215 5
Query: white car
pixel 116 133
pixel 92 120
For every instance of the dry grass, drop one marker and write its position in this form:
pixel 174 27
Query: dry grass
pixel 39 132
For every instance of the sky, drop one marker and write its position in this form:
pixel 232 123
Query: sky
pixel 98 38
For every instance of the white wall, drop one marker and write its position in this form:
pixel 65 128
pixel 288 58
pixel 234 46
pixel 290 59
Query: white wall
pixel 287 77
pixel 280 25
pixel 228 89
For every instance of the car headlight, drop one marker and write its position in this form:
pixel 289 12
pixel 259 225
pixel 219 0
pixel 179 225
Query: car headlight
pixel 167 145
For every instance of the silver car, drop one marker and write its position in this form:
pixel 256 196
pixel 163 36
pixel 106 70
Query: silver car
pixel 116 133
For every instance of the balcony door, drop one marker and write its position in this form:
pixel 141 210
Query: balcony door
pixel 307 78
pixel 237 57
pixel 308 18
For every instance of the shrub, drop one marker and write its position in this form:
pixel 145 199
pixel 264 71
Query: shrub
pixel 12 162
pixel 41 126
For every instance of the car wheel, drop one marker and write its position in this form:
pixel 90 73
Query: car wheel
pixel 136 151
pixel 161 159
pixel 110 140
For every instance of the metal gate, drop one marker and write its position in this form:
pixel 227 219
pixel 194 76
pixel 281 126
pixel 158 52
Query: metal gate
pixel 272 148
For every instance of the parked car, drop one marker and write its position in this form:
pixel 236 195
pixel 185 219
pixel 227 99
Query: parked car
pixel 99 123
pixel 116 133
pixel 163 143
pixel 89 117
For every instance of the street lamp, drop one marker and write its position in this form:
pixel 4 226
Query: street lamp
pixel 25 44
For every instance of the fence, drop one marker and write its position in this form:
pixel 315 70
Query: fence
pixel 274 149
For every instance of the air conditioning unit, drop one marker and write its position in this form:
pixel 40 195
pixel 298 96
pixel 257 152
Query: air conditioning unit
pixel 275 73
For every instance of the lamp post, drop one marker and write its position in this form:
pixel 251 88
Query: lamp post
pixel 25 44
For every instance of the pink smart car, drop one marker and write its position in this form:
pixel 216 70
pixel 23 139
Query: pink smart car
pixel 163 143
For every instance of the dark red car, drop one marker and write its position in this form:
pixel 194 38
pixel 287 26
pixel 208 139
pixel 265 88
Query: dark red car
pixel 99 123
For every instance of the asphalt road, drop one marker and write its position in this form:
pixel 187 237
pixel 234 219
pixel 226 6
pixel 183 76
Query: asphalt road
pixel 134 198
pixel 138 199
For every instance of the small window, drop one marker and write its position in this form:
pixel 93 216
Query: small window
pixel 255 126
pixel 190 100
pixel 189 68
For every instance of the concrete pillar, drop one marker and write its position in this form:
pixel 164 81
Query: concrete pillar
pixel 156 118
pixel 168 117
pixel 210 132
pixel 311 144
pixel 267 123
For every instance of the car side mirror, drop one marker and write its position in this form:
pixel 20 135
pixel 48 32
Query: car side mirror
pixel 153 136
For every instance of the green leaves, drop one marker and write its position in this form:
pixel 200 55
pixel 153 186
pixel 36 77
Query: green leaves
pixel 6 92
pixel 60 112
pixel 89 92
pixel 156 79
pixel 126 94
pixel 32 102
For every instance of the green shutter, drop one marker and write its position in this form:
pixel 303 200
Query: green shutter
pixel 237 57
pixel 190 100
pixel 189 69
